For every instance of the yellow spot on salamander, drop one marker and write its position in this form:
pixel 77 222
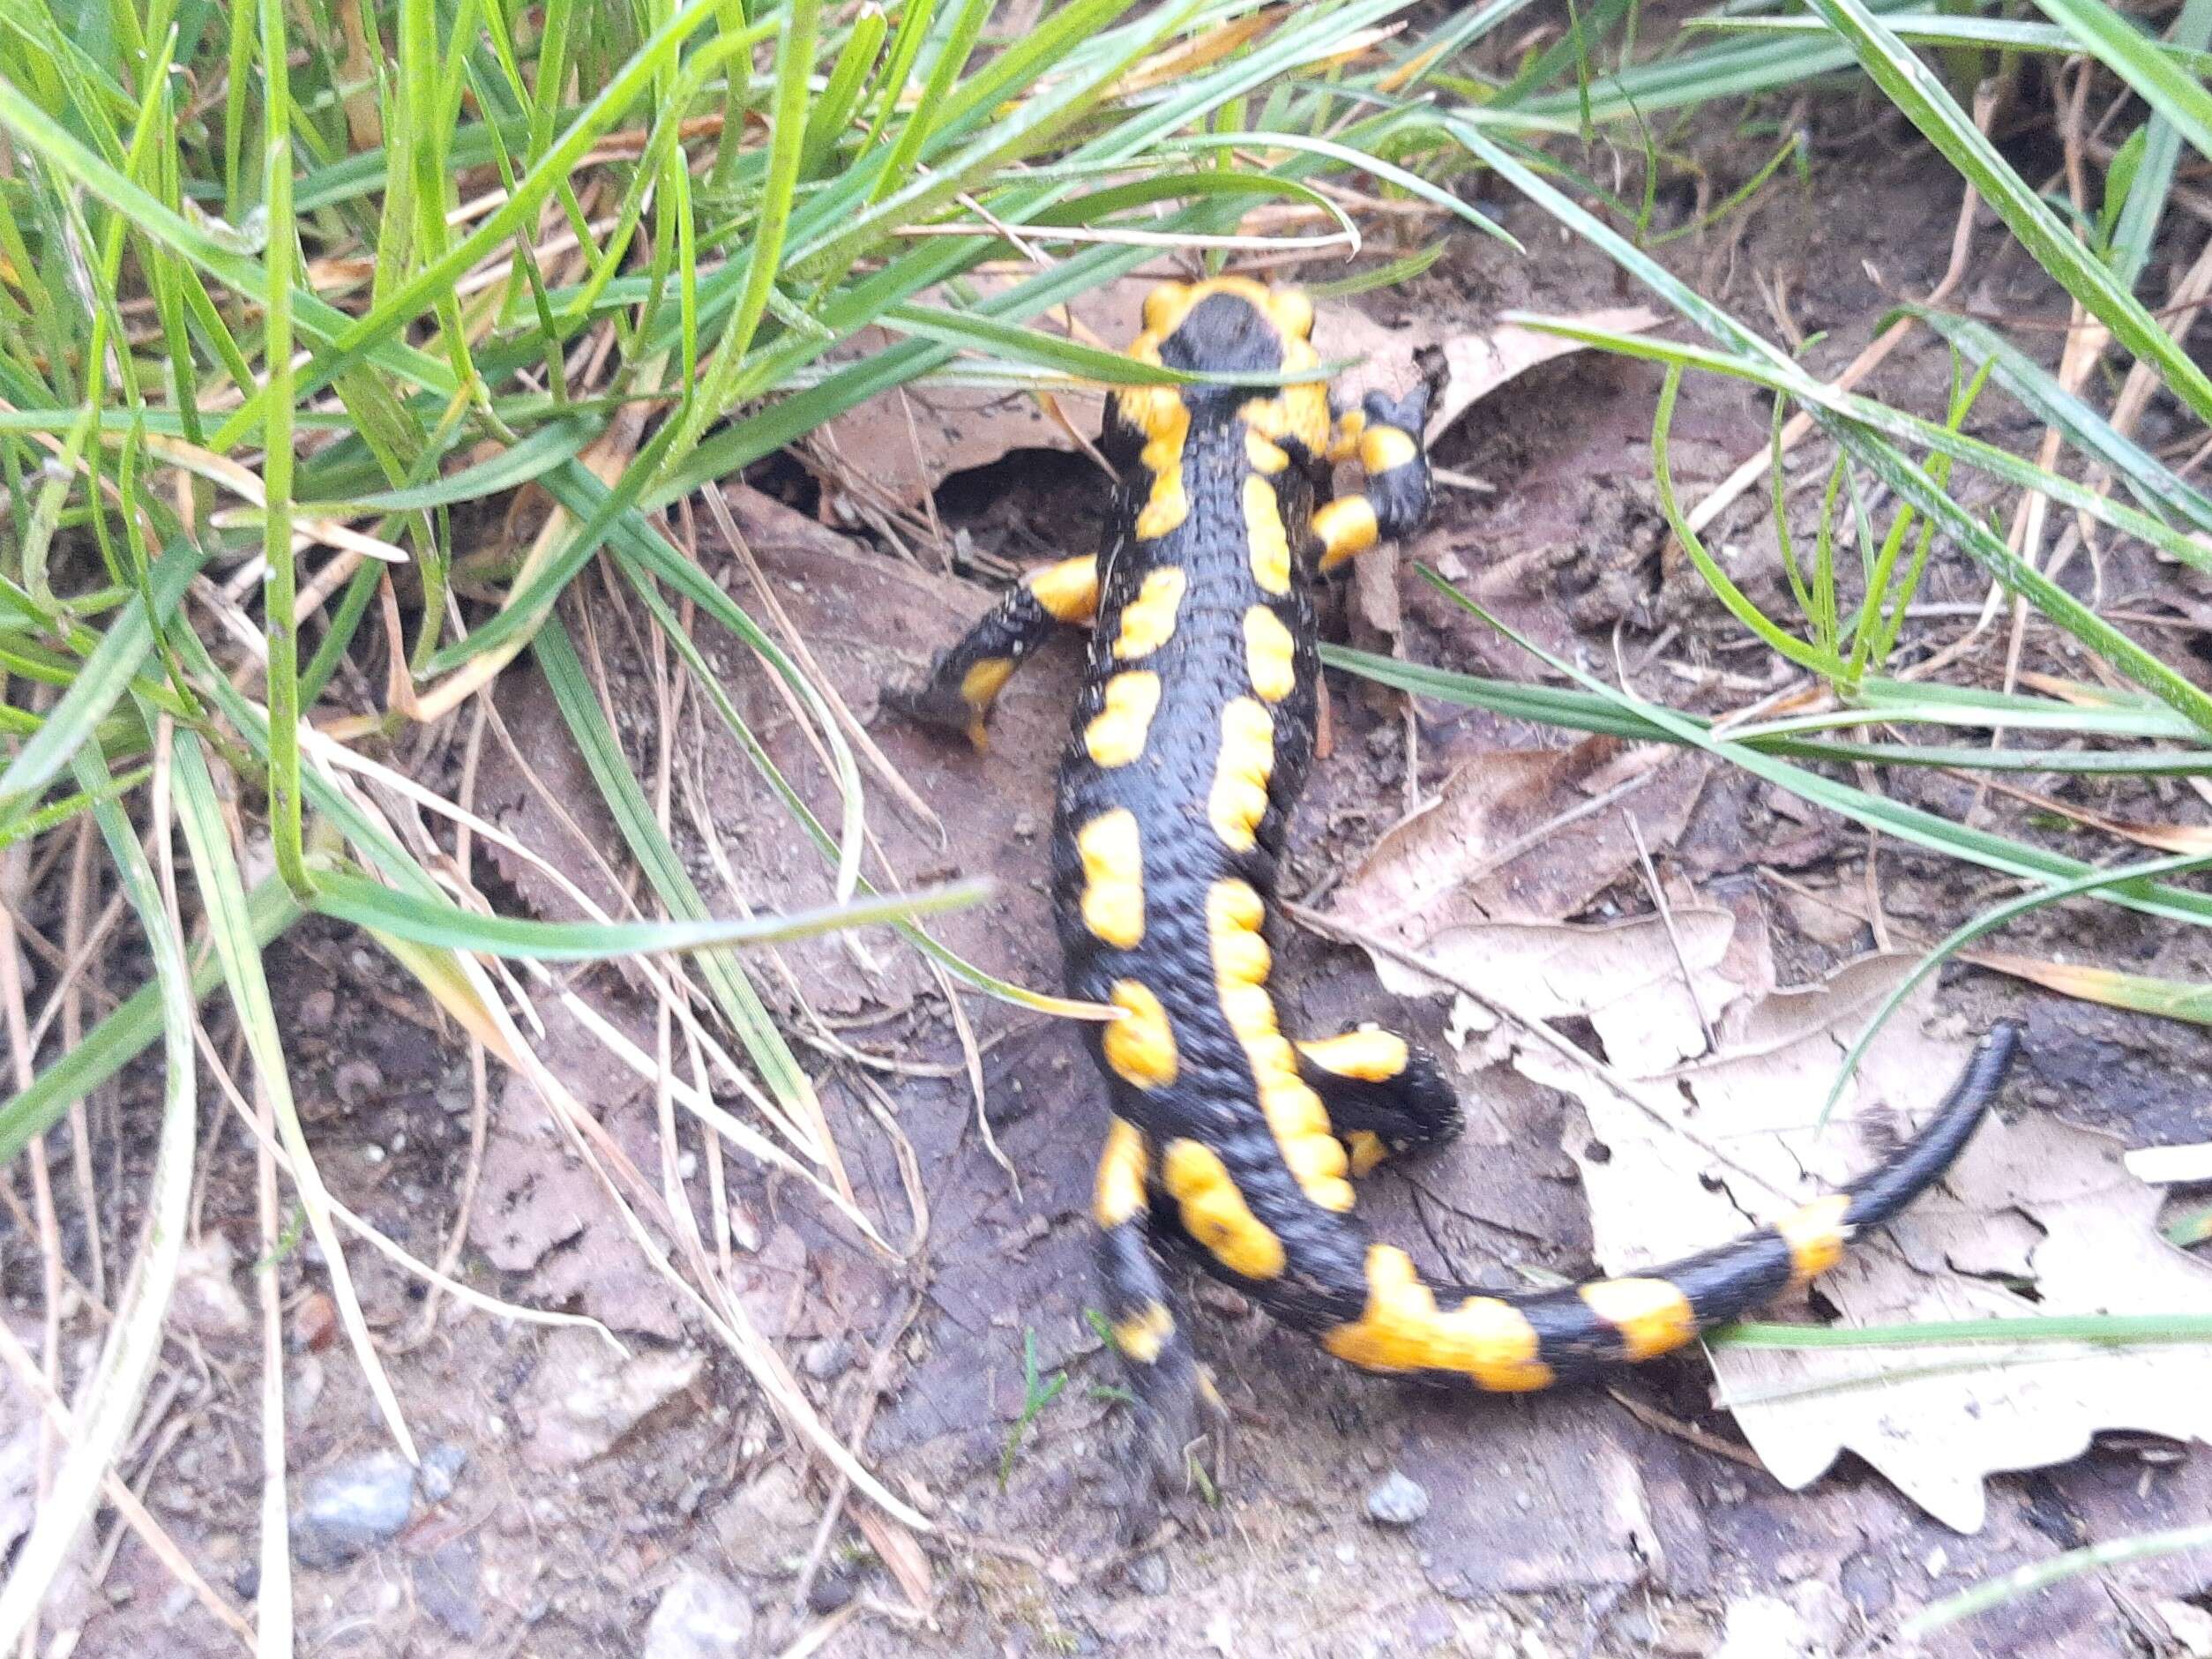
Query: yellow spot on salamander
pixel 1368 1151
pixel 1368 1056
pixel 1385 449
pixel 983 683
pixel 1116 735
pixel 1113 880
pixel 1293 313
pixel 1484 1339
pixel 1264 453
pixel 1270 654
pixel 1346 526
pixel 1265 537
pixel 1165 306
pixel 1119 1196
pixel 1140 1045
pixel 979 688
pixel 1155 411
pixel 1815 1235
pixel 1165 424
pixel 1344 443
pixel 1295 1114
pixel 1148 622
pixel 1305 405
pixel 1247 760
pixel 1168 303
pixel 1215 1213
pixel 1650 1314
pixel 1143 1335
pixel 1068 591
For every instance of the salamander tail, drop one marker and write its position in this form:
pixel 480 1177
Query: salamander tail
pixel 1515 1342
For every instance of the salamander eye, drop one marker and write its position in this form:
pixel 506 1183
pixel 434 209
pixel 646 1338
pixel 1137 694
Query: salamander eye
pixel 1164 307
pixel 1293 313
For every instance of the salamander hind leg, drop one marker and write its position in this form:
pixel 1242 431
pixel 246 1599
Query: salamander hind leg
pixel 966 677
pixel 1385 1097
pixel 1384 434
pixel 1173 1405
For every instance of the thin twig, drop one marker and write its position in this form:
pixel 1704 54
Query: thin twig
pixel 1674 938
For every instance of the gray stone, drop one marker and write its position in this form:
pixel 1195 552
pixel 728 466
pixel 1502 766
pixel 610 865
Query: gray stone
pixel 447 1587
pixel 442 1466
pixel 701 1616
pixel 584 1397
pixel 1397 1500
pixel 349 1510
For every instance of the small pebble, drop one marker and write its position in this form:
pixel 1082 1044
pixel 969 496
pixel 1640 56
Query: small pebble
pixel 447 1588
pixel 1149 1573
pixel 2189 1626
pixel 442 1466
pixel 356 1080
pixel 701 1616
pixel 350 1509
pixel 1397 1500
pixel 827 1358
pixel 829 1593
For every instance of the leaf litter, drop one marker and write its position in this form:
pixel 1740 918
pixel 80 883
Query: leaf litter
pixel 1692 1138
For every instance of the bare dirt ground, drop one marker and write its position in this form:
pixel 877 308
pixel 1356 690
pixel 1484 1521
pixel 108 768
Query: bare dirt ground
pixel 1597 1523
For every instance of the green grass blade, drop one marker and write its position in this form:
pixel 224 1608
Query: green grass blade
pixel 2152 187
pixel 107 674
pixel 230 926
pixel 2115 1553
pixel 1996 917
pixel 108 1403
pixel 2177 93
pixel 1931 28
pixel 1910 84
pixel 664 871
pixel 1909 823
pixel 369 904
pixel 2118 1329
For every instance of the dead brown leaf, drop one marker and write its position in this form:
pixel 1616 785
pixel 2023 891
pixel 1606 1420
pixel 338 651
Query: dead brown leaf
pixel 910 441
pixel 1485 849
pixel 1685 1146
pixel 1483 363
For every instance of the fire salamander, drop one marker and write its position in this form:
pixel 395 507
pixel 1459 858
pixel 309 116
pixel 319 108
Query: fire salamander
pixel 1190 745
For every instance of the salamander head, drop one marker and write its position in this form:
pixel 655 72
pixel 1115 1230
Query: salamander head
pixel 1226 326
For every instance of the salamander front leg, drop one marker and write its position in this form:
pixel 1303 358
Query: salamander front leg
pixel 967 677
pixel 1385 434
pixel 1385 1096
pixel 1174 1406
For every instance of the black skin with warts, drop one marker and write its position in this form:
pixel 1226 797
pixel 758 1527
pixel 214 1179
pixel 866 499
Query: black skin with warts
pixel 1214 1099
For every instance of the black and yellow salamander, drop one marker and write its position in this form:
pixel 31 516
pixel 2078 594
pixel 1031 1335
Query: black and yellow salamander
pixel 1190 745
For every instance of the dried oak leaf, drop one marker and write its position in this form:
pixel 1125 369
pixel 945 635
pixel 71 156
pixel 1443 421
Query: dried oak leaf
pixel 1689 1143
pixel 1486 848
